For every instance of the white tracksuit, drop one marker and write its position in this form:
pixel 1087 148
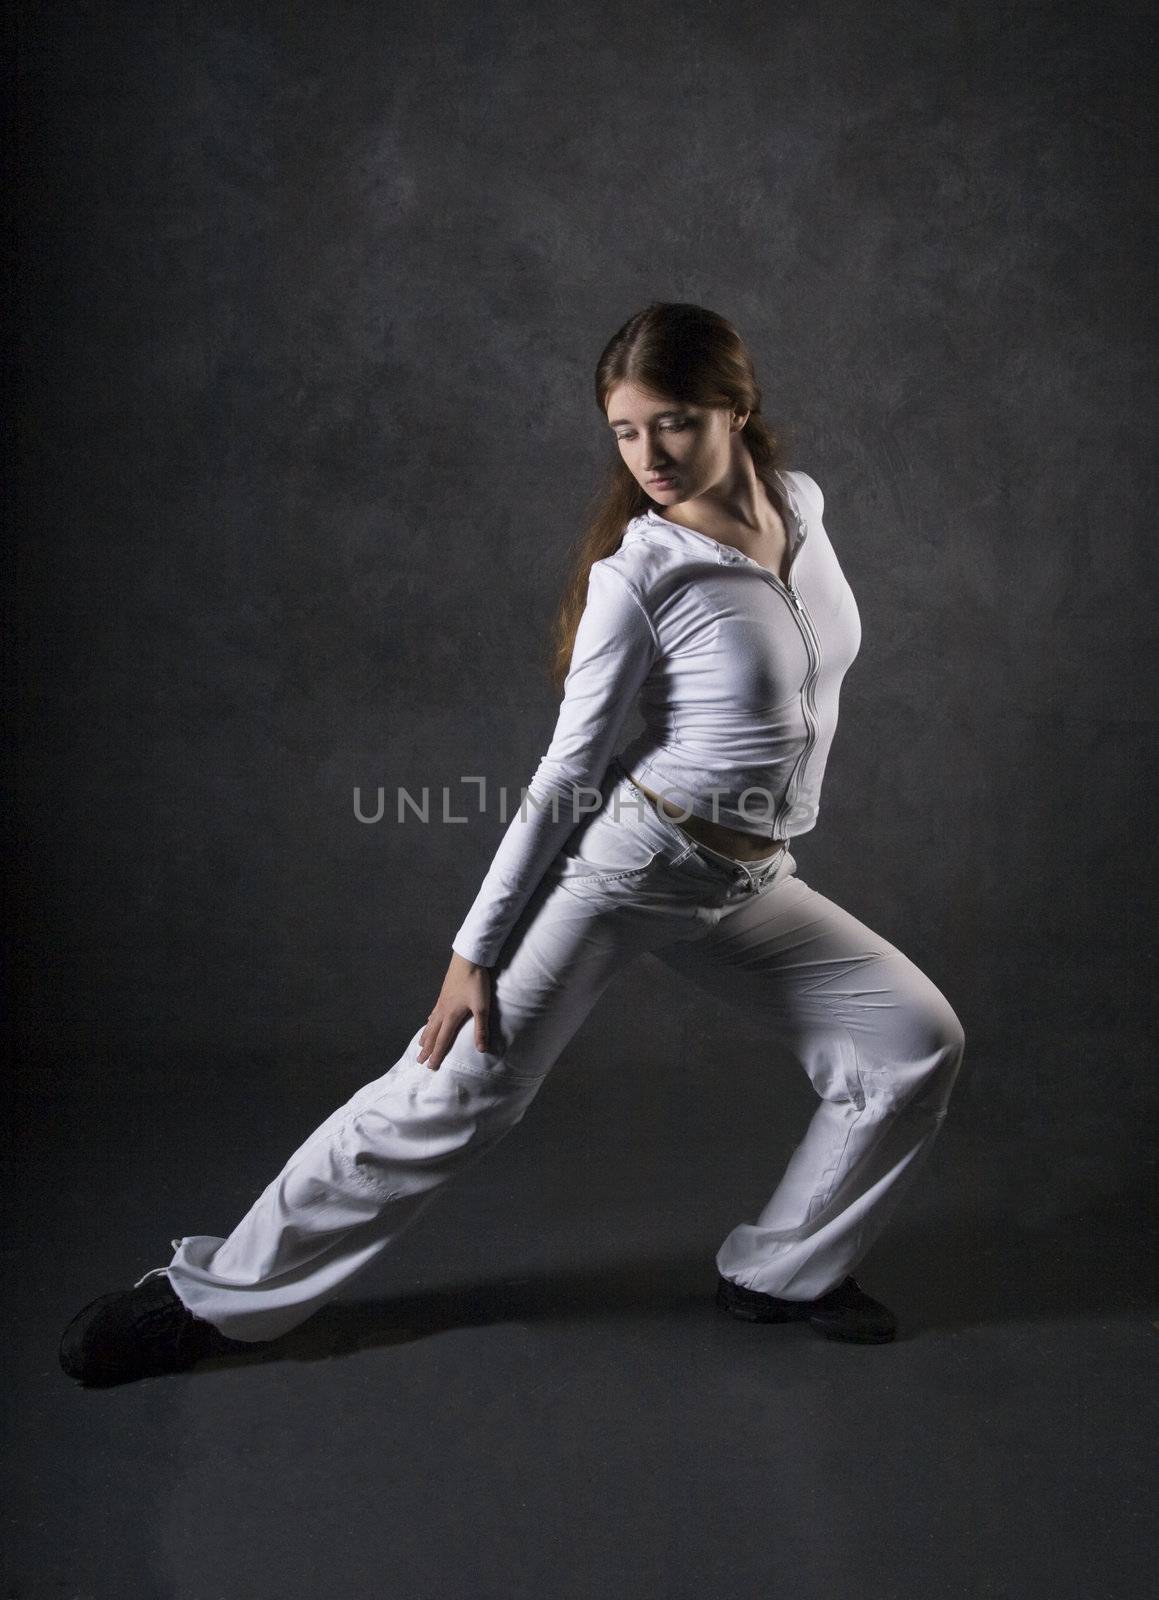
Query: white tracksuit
pixel 738 677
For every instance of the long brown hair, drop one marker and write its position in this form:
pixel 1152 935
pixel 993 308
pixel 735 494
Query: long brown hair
pixel 686 353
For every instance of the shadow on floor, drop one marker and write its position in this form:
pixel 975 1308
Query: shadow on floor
pixel 665 1288
pixel 1083 1264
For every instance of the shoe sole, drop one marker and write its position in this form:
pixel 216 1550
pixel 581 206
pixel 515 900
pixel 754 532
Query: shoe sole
pixel 855 1338
pixel 776 1315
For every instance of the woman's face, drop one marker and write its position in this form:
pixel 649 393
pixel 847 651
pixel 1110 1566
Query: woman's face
pixel 674 451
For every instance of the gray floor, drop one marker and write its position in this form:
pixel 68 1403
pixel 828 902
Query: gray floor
pixel 536 1397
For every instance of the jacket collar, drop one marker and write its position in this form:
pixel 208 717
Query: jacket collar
pixel 702 544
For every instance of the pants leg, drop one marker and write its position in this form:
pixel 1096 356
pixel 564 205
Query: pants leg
pixel 374 1166
pixel 882 1047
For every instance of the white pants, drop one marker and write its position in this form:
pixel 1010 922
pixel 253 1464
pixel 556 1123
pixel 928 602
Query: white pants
pixel 880 1043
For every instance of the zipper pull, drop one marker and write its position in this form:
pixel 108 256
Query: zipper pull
pixel 795 596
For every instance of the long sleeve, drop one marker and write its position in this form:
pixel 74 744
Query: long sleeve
pixel 615 647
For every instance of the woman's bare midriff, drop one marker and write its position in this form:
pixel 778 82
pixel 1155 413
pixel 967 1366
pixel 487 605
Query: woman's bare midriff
pixel 729 841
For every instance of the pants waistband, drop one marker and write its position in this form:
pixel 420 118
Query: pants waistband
pixel 757 868
pixel 757 865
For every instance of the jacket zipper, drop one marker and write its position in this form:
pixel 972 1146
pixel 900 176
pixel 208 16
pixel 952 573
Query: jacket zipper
pixel 808 700
pixel 813 648
pixel 813 643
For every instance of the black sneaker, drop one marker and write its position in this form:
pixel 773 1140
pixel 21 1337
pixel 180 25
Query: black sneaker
pixel 844 1312
pixel 138 1333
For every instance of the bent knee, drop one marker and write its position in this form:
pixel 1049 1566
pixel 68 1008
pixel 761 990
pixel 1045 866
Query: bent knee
pixel 936 1029
pixel 926 1054
pixel 949 1032
pixel 943 1047
pixel 941 1039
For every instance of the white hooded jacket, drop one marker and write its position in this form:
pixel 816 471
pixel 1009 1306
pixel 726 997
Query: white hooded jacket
pixel 737 677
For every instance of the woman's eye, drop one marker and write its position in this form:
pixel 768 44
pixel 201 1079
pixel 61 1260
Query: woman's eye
pixel 665 427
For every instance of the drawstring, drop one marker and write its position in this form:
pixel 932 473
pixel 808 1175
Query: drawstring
pixel 156 1272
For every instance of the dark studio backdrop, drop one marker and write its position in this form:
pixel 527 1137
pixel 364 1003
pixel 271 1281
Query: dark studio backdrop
pixel 309 300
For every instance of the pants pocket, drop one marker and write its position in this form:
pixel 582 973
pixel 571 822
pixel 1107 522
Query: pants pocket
pixel 607 846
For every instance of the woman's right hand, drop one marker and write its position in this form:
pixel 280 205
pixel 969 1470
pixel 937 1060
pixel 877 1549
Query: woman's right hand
pixel 466 992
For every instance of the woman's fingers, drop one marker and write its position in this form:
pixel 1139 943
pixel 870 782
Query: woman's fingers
pixel 439 1034
pixel 444 1039
pixel 428 1040
pixel 438 1050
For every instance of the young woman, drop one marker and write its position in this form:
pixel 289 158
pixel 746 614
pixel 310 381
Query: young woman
pixel 707 586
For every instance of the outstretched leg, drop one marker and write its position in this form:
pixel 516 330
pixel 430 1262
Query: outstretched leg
pixel 379 1160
